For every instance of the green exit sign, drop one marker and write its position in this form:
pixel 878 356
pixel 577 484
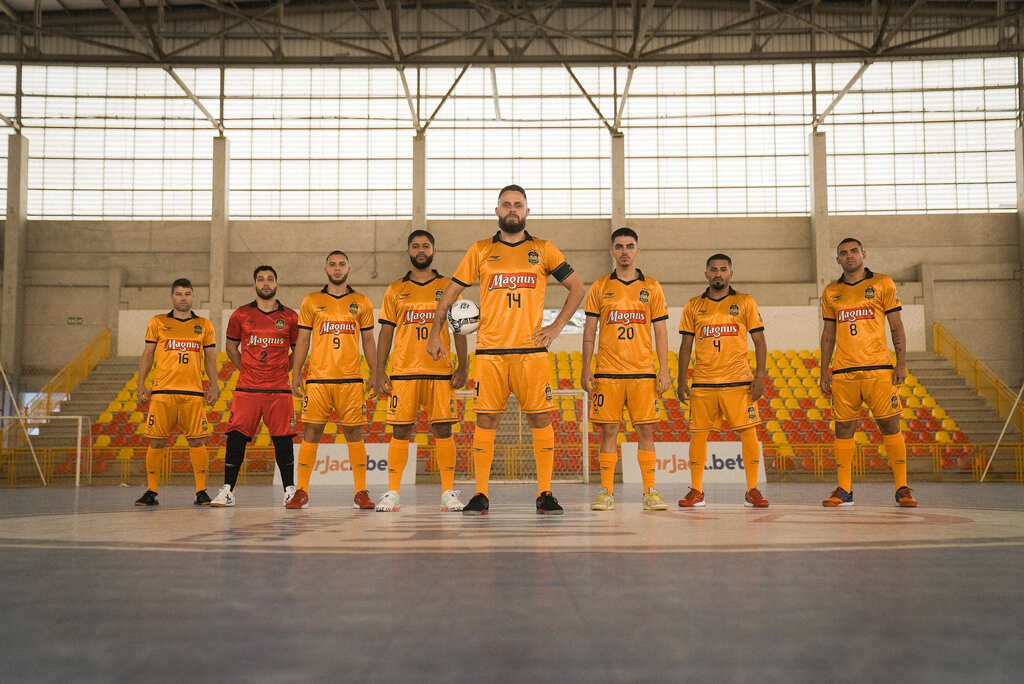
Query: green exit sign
pixel 75 320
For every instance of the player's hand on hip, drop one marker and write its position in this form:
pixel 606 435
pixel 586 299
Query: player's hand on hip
pixel 587 380
pixel 211 393
pixel 434 347
pixel 683 391
pixel 899 374
pixel 756 388
pixel 546 335
pixel 664 381
pixel 825 382
pixel 459 376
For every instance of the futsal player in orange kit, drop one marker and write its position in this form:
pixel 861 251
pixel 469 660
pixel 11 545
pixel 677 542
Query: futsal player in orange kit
pixel 716 325
pixel 626 305
pixel 856 368
pixel 332 323
pixel 416 379
pixel 184 347
pixel 511 349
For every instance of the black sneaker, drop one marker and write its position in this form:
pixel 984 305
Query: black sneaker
pixel 478 505
pixel 202 498
pixel 147 499
pixel 547 504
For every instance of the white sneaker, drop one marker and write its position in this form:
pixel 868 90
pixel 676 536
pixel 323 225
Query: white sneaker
pixel 450 501
pixel 389 502
pixel 289 492
pixel 225 497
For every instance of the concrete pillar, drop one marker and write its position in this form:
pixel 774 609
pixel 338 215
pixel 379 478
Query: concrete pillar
pixel 928 294
pixel 821 239
pixel 419 180
pixel 219 234
pixel 12 317
pixel 115 281
pixel 618 180
pixel 1018 154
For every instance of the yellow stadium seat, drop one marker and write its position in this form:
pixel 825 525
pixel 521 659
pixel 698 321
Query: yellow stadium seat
pixel 262 440
pixel 804 354
pixel 422 439
pixel 942 437
pixel 105 417
pixel 788 372
pixel 939 413
pixel 800 393
pixel 331 428
pixel 814 414
pixel 779 438
pixel 785 392
pixel 136 417
pixel 912 401
pixel 181 441
pixel 783 414
pixel 794 382
pixel 928 402
pixel 340 438
pixel 822 403
pixel 907 414
pixel 920 391
pixel 861 437
pixel 792 403
pixel 776 403
pixel 102 441
pixel 948 424
pixel 773 426
pixel 810 383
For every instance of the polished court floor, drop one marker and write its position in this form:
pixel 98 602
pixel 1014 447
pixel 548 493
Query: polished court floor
pixel 97 590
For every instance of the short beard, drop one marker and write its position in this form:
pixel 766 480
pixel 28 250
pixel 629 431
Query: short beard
pixel 416 264
pixel 513 228
pixel 334 282
pixel 267 298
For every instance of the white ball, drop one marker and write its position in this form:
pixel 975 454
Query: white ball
pixel 464 317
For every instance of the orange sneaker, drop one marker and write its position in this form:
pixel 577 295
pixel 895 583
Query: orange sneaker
pixel 754 499
pixel 693 499
pixel 363 501
pixel 904 498
pixel 300 499
pixel 840 497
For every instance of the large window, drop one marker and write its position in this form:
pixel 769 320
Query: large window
pixel 922 137
pixel 718 140
pixel 116 143
pixel 529 126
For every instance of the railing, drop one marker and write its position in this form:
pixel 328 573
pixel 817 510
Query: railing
pixel 985 382
pixel 69 377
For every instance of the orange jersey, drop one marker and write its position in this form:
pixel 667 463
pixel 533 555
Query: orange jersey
pixel 720 328
pixel 409 308
pixel 179 351
pixel 859 311
pixel 625 311
pixel 512 283
pixel 335 324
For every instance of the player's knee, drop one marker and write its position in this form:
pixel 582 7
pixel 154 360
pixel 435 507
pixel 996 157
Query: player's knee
pixel 353 433
pixel 313 432
pixel 539 420
pixel 197 442
pixel 236 439
pixel 488 421
pixel 441 430
pixel 282 444
pixel 402 431
pixel 160 443
pixel 889 426
pixel 846 430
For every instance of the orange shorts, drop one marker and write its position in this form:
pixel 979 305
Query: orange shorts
pixel 611 394
pixel 709 406
pixel 526 375
pixel 345 397
pixel 435 395
pixel 170 409
pixel 873 388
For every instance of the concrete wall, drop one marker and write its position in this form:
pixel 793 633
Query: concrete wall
pixel 70 267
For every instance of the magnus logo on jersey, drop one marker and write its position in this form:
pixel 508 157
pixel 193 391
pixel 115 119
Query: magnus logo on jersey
pixel 726 330
pixel 257 341
pixel 182 345
pixel 862 313
pixel 338 328
pixel 512 281
pixel 413 317
pixel 626 317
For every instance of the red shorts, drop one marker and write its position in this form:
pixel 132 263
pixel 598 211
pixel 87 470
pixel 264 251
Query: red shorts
pixel 275 408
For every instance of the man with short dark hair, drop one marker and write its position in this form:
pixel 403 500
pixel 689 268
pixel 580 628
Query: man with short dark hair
pixel 260 337
pixel 184 346
pixel 511 350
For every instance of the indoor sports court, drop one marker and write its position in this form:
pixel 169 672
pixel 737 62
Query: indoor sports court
pixel 211 207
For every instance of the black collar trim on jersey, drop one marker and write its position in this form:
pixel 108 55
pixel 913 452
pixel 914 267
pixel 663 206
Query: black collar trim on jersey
pixel 868 275
pixel 527 237
pixel 639 276
pixel 350 291
pixel 280 307
pixel 192 314
pixel 707 294
pixel 408 278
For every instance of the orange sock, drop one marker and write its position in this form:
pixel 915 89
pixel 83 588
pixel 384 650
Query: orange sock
pixel 751 450
pixel 844 462
pixel 608 462
pixel 200 465
pixel 445 451
pixel 357 457
pixel 304 467
pixel 483 454
pixel 398 456
pixel 698 457
pixel 647 460
pixel 154 461
pixel 544 455
pixel 896 449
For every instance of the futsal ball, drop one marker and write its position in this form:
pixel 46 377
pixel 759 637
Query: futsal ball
pixel 464 317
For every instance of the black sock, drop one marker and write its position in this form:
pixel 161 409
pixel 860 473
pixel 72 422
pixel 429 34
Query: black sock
pixel 234 454
pixel 285 455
